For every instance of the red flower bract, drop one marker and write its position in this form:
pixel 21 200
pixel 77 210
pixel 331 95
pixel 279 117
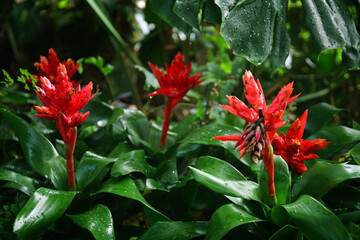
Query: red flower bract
pixel 47 67
pixel 177 81
pixel 293 149
pixel 63 101
pixel 262 122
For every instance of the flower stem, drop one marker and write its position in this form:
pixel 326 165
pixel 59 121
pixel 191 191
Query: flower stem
pixel 167 120
pixel 69 151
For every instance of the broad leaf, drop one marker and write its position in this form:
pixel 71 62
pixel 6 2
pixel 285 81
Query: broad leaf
pixel 98 221
pixel 342 140
pixel 287 232
pixel 43 208
pixel 226 218
pixel 20 179
pixel 89 168
pixel 315 220
pixel 150 80
pixel 241 188
pixel 126 187
pixel 38 151
pixel 187 10
pixel 322 177
pixel 175 230
pixel 133 161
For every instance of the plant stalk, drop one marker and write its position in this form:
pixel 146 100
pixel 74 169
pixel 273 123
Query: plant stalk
pixel 166 124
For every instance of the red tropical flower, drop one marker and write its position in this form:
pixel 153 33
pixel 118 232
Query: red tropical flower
pixel 173 85
pixel 262 122
pixel 47 67
pixel 293 149
pixel 62 102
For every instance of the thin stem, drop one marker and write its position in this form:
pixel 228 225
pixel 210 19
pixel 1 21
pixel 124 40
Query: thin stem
pixel 69 151
pixel 167 120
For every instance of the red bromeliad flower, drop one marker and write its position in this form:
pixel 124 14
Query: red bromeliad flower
pixel 173 85
pixel 62 102
pixel 47 67
pixel 262 122
pixel 293 149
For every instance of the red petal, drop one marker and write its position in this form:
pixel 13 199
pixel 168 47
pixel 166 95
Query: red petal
pixel 228 137
pixel 253 91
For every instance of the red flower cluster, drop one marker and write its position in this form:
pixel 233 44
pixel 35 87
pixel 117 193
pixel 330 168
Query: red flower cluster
pixel 293 149
pixel 177 81
pixel 48 66
pixel 263 121
pixel 173 85
pixel 63 101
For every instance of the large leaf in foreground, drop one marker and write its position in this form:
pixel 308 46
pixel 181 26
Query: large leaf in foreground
pixel 29 183
pixel 126 187
pixel 241 188
pixel 98 221
pixel 175 230
pixel 315 220
pixel 226 218
pixel 322 177
pixel 43 208
pixel 38 151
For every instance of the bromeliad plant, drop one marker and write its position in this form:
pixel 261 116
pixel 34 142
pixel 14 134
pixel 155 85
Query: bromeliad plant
pixel 174 85
pixel 263 121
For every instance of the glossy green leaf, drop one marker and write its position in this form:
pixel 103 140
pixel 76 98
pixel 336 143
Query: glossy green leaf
pixel 315 220
pixel 38 151
pixel 332 25
pixel 100 113
pixel 126 187
pixel 89 168
pixel 98 221
pixel 150 80
pixel 287 232
pixel 204 136
pixel 187 10
pixel 226 218
pixel 282 180
pixel 240 188
pixel 218 168
pixel 167 171
pixel 20 179
pixel 319 114
pixel 322 177
pixel 175 231
pixel 133 161
pixel 164 9
pixel 238 21
pixel 355 153
pixel 149 184
pixel 43 208
pixel 342 140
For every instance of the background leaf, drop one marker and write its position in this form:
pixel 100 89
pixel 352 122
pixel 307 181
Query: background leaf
pixel 98 221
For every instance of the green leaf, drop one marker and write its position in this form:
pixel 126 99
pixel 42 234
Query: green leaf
pixel 322 177
pixel 342 140
pixel 287 232
pixel 101 114
pixel 332 26
pixel 164 9
pixel 150 80
pixel 226 218
pixel 149 184
pixel 251 28
pixel 204 136
pixel 218 168
pixel 319 114
pixel 175 231
pixel 20 179
pixel 38 151
pixel 98 221
pixel 90 167
pixel 240 188
pixel 282 180
pixel 315 220
pixel 187 10
pixel 43 208
pixel 126 187
pixel 355 153
pixel 133 161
